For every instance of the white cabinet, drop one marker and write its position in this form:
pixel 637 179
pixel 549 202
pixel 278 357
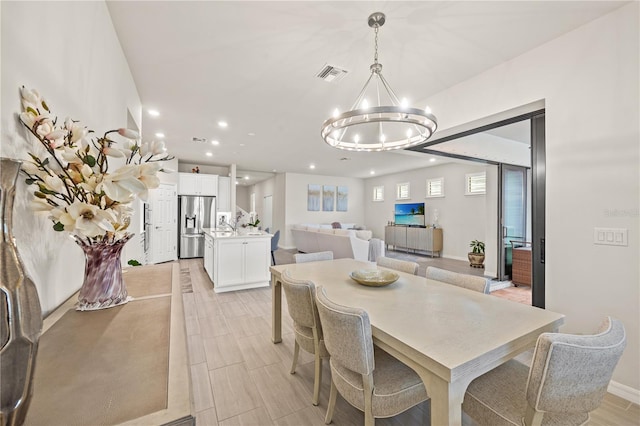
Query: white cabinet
pixel 208 255
pixel 240 263
pixel 224 194
pixel 197 184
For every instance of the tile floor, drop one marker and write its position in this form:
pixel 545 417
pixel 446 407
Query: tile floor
pixel 240 378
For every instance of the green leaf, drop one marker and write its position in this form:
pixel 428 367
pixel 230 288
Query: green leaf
pixel 32 111
pixel 90 160
pixel 134 262
pixel 58 227
pixel 46 161
pixel 45 106
pixel 29 181
pixel 39 194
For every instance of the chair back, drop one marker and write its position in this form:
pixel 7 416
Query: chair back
pixel 312 257
pixel 570 373
pixel 470 282
pixel 300 296
pixel 347 334
pixel 274 240
pixel 398 265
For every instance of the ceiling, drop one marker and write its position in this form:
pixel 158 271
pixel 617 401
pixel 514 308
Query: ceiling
pixel 254 65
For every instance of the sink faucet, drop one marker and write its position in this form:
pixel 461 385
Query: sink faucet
pixel 231 226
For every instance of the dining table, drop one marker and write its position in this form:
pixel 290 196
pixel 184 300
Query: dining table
pixel 449 335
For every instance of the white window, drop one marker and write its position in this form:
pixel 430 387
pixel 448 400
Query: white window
pixel 402 191
pixel 378 193
pixel 476 183
pixel 435 187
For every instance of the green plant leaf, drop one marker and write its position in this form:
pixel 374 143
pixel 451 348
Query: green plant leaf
pixel 90 160
pixel 29 181
pixel 58 227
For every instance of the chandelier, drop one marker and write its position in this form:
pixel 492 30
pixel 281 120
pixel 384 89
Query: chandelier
pixel 383 127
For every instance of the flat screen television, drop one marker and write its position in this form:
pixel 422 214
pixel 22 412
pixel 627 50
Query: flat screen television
pixel 410 214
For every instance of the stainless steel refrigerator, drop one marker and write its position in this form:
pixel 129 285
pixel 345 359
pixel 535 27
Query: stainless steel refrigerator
pixel 195 213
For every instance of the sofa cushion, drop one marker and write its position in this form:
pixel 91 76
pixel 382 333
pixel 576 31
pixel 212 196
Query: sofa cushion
pixel 344 232
pixel 364 234
pixel 326 231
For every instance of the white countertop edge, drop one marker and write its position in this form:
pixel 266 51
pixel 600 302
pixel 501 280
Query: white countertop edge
pixel 228 234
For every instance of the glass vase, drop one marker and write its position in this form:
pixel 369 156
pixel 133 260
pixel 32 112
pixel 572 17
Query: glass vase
pixel 103 286
pixel 20 312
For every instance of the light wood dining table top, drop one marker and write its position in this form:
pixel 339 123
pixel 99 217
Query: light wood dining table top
pixel 449 335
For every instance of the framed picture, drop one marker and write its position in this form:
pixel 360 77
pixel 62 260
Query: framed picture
pixel 328 198
pixel 342 199
pixel 222 218
pixel 313 198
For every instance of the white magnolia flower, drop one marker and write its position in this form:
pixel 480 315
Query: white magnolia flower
pixel 152 147
pixel 54 183
pixel 83 219
pixel 128 133
pixel 123 184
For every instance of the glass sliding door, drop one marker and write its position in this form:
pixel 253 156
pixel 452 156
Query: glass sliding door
pixel 513 215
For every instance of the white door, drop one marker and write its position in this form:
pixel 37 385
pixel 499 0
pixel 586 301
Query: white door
pixel 267 213
pixel 164 211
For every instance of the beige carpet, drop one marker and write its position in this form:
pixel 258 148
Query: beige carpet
pixel 108 366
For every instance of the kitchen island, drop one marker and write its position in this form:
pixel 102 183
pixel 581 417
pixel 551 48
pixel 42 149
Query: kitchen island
pixel 237 260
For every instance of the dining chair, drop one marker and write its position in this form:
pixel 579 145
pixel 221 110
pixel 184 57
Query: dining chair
pixel 567 379
pixel 312 257
pixel 300 295
pixel 398 265
pixel 274 245
pixel 367 377
pixel 470 282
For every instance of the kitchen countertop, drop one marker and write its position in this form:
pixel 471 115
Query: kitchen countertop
pixel 226 233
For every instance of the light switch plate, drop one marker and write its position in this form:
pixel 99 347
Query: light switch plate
pixel 610 236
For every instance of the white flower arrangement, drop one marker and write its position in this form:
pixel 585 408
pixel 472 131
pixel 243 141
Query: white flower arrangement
pixel 71 177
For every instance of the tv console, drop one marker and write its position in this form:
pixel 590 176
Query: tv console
pixel 415 238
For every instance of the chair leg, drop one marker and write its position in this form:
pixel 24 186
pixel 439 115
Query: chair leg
pixel 296 351
pixel 273 258
pixel 533 417
pixel 318 379
pixel 332 403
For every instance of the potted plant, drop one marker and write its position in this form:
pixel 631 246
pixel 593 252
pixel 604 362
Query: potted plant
pixel 476 255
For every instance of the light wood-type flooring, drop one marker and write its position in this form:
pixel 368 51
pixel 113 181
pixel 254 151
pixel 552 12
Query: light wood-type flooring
pixel 239 377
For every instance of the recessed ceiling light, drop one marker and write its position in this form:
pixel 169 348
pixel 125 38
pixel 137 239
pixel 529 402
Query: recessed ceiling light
pixel 372 172
pixel 251 134
pixel 241 144
pixel 312 166
pixel 432 160
pixel 274 170
pixel 154 113
pixel 236 182
pixel 222 124
pixel 215 142
pixel 246 178
pixel 208 154
pixel 159 135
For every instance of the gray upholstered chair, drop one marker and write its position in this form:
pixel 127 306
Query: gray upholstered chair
pixel 306 325
pixel 367 378
pixel 312 257
pixel 274 245
pixel 470 282
pixel 398 265
pixel 568 378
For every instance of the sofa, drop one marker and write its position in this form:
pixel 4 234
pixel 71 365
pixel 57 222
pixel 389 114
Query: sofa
pixel 344 243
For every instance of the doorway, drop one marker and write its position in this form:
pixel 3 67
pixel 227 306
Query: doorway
pixel 500 144
pixel 514 200
pixel 267 213
pixel 163 231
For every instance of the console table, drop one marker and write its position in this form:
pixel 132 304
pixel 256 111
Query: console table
pixel 125 365
pixel 414 238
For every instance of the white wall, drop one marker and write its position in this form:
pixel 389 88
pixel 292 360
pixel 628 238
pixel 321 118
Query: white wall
pixel 461 217
pixel 70 53
pixel 261 190
pixel 588 79
pixel 296 186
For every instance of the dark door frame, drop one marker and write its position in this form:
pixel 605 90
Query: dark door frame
pixel 538 188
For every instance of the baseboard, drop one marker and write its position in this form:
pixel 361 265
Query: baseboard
pixel 624 392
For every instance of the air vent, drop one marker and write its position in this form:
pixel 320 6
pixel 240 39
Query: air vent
pixel 331 74
pixel 199 140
